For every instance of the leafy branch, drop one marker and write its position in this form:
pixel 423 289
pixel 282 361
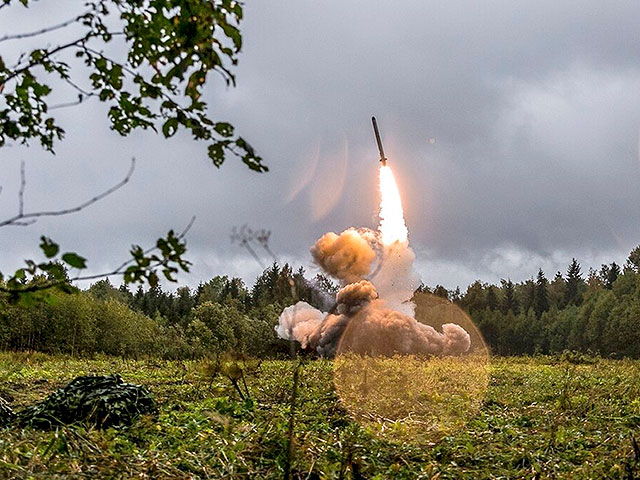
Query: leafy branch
pixel 166 256
pixel 44 30
pixel 171 46
pixel 166 50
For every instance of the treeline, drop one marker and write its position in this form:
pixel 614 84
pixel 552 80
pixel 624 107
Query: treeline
pixel 220 315
pixel 598 312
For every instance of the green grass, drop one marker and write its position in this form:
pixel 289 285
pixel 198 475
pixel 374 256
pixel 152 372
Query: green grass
pixel 540 418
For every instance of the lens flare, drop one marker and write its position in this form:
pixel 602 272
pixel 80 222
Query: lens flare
pixel 392 226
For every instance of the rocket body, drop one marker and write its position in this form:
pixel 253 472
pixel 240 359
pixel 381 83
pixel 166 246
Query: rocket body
pixel 383 159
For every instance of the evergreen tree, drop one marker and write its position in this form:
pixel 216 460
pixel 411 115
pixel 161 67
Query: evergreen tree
pixel 573 283
pixel 138 299
pixel 325 284
pixel 126 293
pixel 633 261
pixel 541 295
pixel 614 273
pixel 528 295
pixel 509 300
pixel 456 295
pixel 104 290
pixel 609 274
pixel 475 298
pixel 183 304
pixel 492 298
pixel 323 294
pixel 593 283
pixel 440 291
pixel 557 291
pixel 422 288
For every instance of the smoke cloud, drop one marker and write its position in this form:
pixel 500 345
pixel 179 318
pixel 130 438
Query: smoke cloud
pixel 377 330
pixel 298 322
pixel 355 296
pixel 348 256
pixel 373 313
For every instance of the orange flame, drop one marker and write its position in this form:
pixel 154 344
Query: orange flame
pixel 392 226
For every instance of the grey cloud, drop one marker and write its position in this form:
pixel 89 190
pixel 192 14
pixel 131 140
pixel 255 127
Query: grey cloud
pixel 534 107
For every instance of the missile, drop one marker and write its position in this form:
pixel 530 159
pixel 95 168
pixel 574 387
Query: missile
pixel 383 159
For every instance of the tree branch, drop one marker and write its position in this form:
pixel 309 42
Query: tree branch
pixel 37 287
pixel 19 219
pixel 43 30
pixel 120 269
pixel 67 104
pixel 46 56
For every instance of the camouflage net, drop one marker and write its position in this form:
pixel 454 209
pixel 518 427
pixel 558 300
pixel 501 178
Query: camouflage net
pixel 102 401
pixel 6 414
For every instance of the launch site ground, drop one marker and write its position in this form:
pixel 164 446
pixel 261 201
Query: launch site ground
pixel 542 417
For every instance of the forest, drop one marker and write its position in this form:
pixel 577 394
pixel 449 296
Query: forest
pixel 596 313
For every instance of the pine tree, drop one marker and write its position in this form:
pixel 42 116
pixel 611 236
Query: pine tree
pixel 455 295
pixel 474 299
pixel 574 280
pixel 528 294
pixel 440 291
pixel 138 299
pixel 612 275
pixel 633 262
pixel 509 300
pixel 492 298
pixel 541 296
pixel 609 274
pixel 126 293
pixel 558 291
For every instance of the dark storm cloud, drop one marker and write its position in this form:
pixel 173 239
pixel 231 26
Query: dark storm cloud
pixel 534 108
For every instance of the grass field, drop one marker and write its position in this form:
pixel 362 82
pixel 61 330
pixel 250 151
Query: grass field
pixel 540 418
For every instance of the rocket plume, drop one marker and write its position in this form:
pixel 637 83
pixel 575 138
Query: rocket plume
pixel 374 314
pixel 392 227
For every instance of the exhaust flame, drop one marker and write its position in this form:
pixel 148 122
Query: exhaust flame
pixel 392 226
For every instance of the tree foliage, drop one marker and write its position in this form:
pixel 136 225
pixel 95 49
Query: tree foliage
pixel 600 314
pixel 165 50
pixel 148 62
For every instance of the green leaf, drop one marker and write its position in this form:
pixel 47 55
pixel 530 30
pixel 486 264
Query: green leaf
pixel 216 153
pixel 223 128
pixel 49 247
pixel 74 260
pixel 170 127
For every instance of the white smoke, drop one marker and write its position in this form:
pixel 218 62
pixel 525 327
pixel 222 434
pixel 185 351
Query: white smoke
pixel 298 322
pixel 373 313
pixel 396 279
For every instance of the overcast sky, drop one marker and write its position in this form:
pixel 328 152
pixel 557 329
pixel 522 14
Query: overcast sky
pixel 534 108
